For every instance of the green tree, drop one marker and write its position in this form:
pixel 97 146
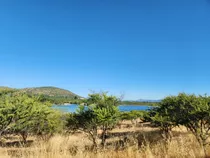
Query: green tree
pixel 6 91
pixel 84 120
pixel 194 113
pixel 6 115
pixel 162 116
pixel 23 114
pixel 107 117
pixel 101 113
pixel 133 116
pixel 191 111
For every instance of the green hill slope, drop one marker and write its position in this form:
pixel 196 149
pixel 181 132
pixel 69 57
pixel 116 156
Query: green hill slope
pixel 5 90
pixel 2 88
pixel 53 94
pixel 50 91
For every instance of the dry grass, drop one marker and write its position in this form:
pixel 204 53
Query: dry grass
pixel 147 144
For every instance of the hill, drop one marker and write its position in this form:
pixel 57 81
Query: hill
pixel 5 88
pixel 50 92
pixel 53 94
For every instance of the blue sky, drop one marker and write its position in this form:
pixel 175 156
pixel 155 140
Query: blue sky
pixel 142 49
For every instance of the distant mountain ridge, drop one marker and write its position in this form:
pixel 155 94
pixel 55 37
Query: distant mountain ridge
pixel 144 100
pixel 148 100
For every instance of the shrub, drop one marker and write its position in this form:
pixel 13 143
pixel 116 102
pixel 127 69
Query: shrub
pixel 101 113
pixel 23 114
pixel 191 111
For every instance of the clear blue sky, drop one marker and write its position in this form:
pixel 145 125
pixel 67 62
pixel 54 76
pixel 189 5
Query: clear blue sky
pixel 142 48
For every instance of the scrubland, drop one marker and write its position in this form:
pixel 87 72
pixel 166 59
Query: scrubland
pixel 125 141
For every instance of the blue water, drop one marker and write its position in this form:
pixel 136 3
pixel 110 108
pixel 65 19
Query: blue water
pixel 73 107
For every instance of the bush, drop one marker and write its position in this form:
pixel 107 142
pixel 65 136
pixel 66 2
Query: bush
pixel 132 115
pixel 101 113
pixel 23 114
pixel 191 111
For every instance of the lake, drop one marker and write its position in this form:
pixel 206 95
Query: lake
pixel 73 107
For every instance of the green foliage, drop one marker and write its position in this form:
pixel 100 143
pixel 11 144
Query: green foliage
pixel 194 113
pixel 101 113
pixel 191 111
pixel 50 91
pixel 52 94
pixel 59 100
pixel 102 100
pixel 138 103
pixel 162 116
pixel 106 116
pixel 23 114
pixel 6 91
pixel 132 115
pixel 84 120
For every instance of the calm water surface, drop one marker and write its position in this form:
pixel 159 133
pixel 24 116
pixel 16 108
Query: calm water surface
pixel 73 107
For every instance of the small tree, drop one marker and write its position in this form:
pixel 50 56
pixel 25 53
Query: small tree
pixel 191 111
pixel 162 121
pixel 84 120
pixel 162 116
pixel 101 113
pixel 194 113
pixel 133 116
pixel 6 115
pixel 23 114
pixel 107 118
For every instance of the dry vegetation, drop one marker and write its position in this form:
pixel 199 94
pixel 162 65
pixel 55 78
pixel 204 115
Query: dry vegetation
pixel 125 142
pixel 92 134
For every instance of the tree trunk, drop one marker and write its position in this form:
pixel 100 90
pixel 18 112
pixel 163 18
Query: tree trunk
pixel 204 150
pixel 202 144
pixel 94 143
pixel 94 139
pixel 24 136
pixel 103 139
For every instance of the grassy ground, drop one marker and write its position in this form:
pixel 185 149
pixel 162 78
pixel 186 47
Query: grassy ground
pixel 126 141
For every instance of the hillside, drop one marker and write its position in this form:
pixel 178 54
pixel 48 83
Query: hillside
pixel 5 88
pixel 50 92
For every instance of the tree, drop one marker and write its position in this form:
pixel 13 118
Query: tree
pixel 101 113
pixel 6 91
pixel 133 116
pixel 107 117
pixel 162 116
pixel 194 113
pixel 23 114
pixel 191 111
pixel 85 120
pixel 6 115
